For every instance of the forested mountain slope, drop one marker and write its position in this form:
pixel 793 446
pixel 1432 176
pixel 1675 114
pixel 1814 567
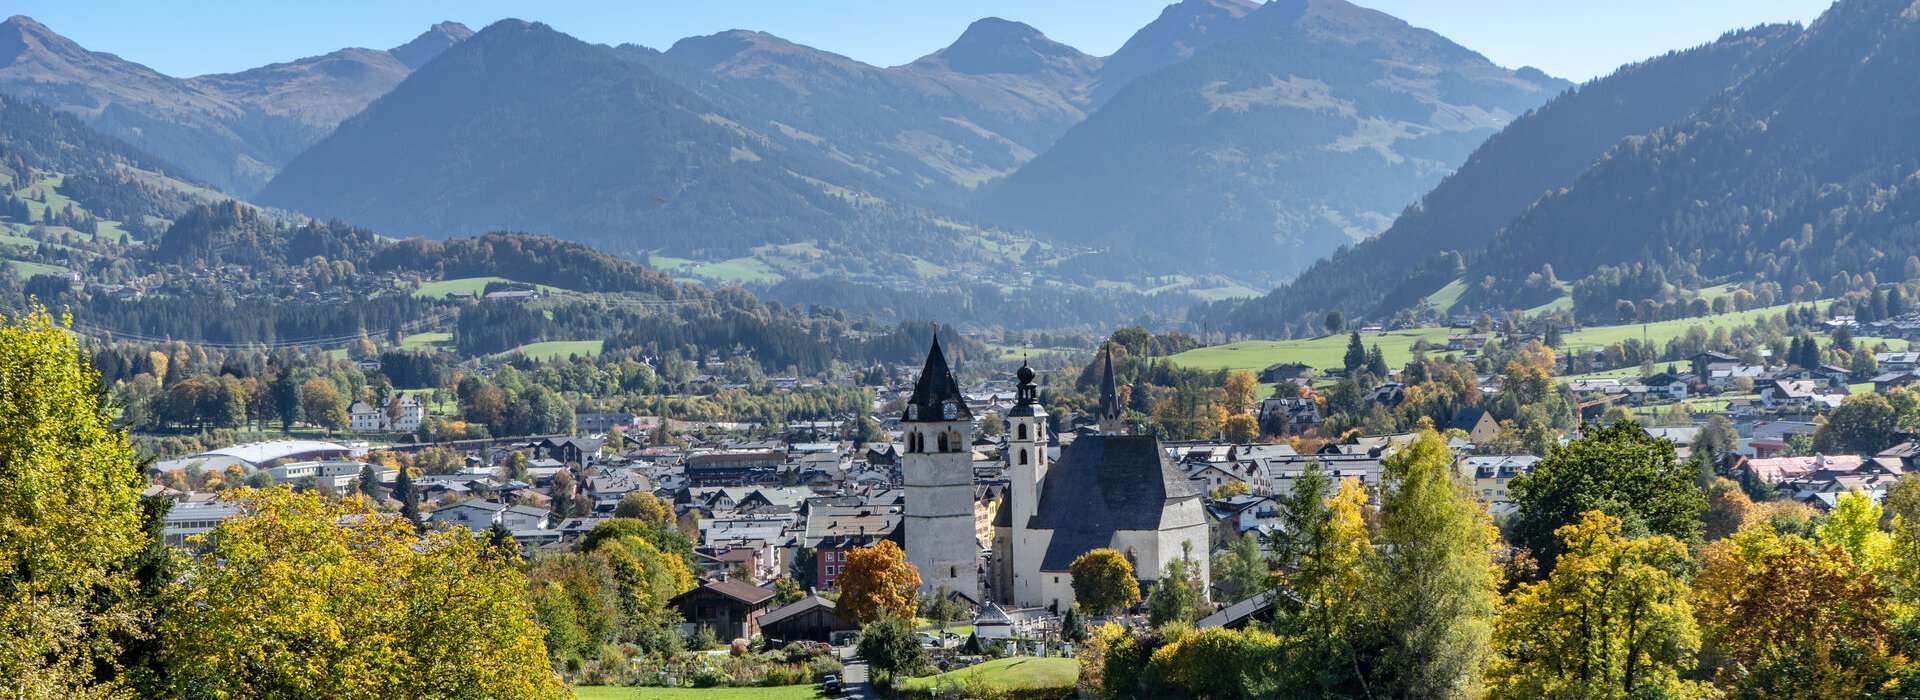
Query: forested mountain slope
pixel 1429 244
pixel 1310 128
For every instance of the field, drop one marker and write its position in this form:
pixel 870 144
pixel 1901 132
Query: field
pixel 1330 351
pixel 427 340
pixel 29 269
pixel 470 285
pixel 1321 353
pixel 1012 672
pixel 561 349
pixel 744 270
pixel 1661 331
pixel 612 692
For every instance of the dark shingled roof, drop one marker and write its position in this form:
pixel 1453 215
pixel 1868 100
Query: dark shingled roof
pixel 1466 418
pixel 1103 484
pixel 736 589
pixel 809 603
pixel 935 390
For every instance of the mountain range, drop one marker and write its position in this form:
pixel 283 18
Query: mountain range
pixel 1774 156
pixel 1267 134
pixel 1227 146
pixel 231 130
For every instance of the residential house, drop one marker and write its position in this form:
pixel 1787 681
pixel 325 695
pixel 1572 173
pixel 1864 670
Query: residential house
pixel 1296 372
pixel 730 608
pixel 812 618
pixel 1477 423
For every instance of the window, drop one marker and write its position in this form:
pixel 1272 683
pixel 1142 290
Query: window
pixel 1023 456
pixel 1023 431
pixel 943 442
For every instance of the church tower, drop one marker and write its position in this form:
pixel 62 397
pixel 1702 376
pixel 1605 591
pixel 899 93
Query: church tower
pixel 1027 465
pixel 938 473
pixel 1110 400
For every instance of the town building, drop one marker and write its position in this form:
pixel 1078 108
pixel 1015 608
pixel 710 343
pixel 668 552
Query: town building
pixel 1109 490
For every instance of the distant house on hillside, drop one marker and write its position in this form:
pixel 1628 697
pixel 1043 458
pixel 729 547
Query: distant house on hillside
pixel 1296 372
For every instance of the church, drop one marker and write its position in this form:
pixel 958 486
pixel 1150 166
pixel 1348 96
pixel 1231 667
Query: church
pixel 1109 489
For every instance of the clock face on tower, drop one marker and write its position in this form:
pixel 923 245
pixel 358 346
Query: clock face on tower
pixel 948 411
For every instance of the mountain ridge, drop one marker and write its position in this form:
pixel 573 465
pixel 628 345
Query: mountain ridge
pixel 233 130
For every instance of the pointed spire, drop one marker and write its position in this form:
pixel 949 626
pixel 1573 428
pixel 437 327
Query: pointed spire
pixel 1109 392
pixel 1109 398
pixel 936 396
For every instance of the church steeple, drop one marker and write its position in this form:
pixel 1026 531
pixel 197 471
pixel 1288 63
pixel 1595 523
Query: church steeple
pixel 1109 399
pixel 936 396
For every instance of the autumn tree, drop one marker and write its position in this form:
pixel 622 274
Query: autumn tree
pixel 300 596
pixel 1728 508
pixel 70 519
pixel 1436 609
pixel 878 582
pixel 321 402
pixel 1617 469
pixel 1240 429
pixel 1103 581
pixel 644 506
pixel 1785 616
pixel 1238 391
pixel 1612 621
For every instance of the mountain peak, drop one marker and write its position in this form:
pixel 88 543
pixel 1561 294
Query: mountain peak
pixel 20 34
pixel 995 45
pixel 436 39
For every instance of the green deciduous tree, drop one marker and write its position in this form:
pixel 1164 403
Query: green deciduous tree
pixel 1617 469
pixel 1176 597
pixel 1436 611
pixel 1863 424
pixel 1612 622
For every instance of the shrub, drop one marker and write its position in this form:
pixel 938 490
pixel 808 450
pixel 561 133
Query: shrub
pixel 825 664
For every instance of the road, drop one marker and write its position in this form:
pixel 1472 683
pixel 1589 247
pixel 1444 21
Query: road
pixel 856 677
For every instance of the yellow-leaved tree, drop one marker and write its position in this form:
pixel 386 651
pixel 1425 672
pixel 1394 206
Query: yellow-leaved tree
pixel 878 582
pixel 301 596
pixel 1103 581
pixel 70 519
pixel 1612 621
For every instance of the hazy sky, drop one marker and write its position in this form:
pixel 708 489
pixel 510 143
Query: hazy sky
pixel 1575 39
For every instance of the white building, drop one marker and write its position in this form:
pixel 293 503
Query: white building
pixel 1109 490
pixel 403 414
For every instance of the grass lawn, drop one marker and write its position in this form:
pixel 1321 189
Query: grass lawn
pixel 1012 672
pixel 561 349
pixel 426 341
pixel 1661 332
pixel 1447 297
pixel 744 270
pixel 29 269
pixel 470 285
pixel 1330 351
pixel 614 692
pixel 1321 353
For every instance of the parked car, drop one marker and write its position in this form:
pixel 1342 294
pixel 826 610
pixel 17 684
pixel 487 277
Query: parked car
pixel 831 685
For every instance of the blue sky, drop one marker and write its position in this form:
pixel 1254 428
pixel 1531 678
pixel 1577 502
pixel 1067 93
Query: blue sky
pixel 1576 39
